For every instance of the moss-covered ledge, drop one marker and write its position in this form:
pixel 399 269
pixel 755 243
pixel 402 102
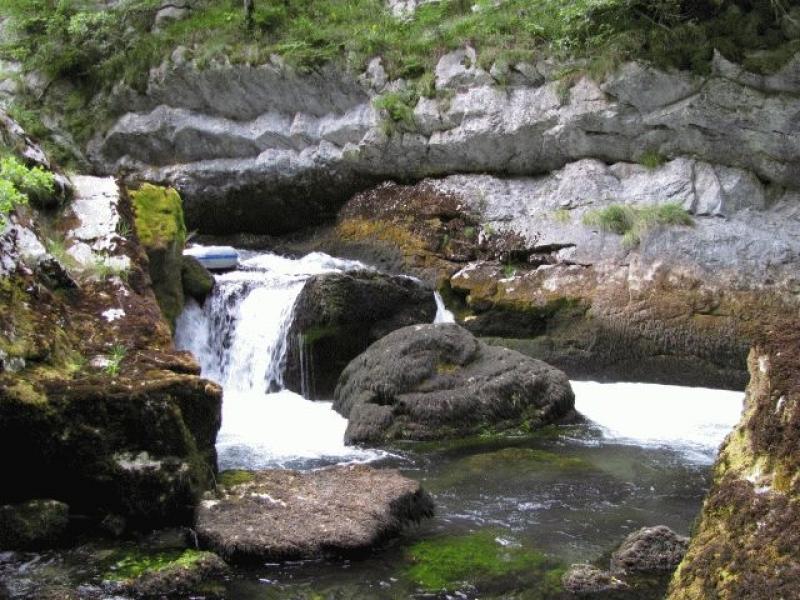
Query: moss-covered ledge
pixel 746 543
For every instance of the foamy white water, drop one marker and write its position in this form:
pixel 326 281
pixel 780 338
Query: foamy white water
pixel 239 337
pixel 442 314
pixel 694 421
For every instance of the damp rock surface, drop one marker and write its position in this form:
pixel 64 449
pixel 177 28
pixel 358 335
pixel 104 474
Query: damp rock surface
pixel 281 514
pixel 650 549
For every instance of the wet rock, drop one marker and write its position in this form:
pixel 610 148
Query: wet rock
pixel 438 381
pixel 585 580
pixel 197 280
pixel 281 514
pixel 650 549
pixel 32 524
pixel 337 316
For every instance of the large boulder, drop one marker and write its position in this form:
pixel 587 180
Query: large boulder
pixel 281 514
pixel 338 315
pixel 650 549
pixel 436 381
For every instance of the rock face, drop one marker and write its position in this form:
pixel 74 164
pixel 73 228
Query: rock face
pixel 337 316
pixel 745 545
pixel 247 142
pixel 679 305
pixel 282 514
pixel 97 408
pixel 197 281
pixel 437 381
pixel 650 549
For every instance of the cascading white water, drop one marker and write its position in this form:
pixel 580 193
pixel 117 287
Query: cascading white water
pixel 693 421
pixel 239 337
pixel 442 314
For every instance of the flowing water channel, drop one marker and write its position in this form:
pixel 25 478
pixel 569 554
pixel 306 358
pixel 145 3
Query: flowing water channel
pixel 565 494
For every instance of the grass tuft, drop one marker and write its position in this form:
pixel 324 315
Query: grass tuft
pixel 633 222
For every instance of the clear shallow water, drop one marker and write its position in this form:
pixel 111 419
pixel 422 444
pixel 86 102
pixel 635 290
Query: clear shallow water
pixel 570 492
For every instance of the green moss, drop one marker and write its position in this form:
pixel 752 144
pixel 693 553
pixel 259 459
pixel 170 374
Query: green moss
pixel 525 459
pixel 234 477
pixel 134 563
pixel 318 332
pixel 449 563
pixel 159 216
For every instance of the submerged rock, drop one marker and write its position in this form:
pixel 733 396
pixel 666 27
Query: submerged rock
pixel 32 524
pixel 584 580
pixel 337 316
pixel 650 549
pixel 437 381
pixel 281 514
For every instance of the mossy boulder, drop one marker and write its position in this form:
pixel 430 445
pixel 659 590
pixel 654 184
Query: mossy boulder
pixel 338 315
pixel 32 524
pixel 142 449
pixel 438 381
pixel 170 573
pixel 650 549
pixel 161 230
pixel 197 281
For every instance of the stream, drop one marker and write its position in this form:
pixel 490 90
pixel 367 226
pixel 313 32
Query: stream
pixel 570 493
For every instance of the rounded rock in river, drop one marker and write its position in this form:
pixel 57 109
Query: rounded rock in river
pixel 439 381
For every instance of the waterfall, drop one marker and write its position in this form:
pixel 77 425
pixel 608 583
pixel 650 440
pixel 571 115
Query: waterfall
pixel 239 337
pixel 442 314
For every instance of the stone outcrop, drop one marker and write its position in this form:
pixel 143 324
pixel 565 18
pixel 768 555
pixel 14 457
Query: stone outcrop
pixel 32 524
pixel 98 409
pixel 243 142
pixel 337 316
pixel 745 545
pixel 587 580
pixel 281 514
pixel 438 381
pixel 679 305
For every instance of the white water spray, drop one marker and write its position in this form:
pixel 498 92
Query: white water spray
pixel 694 421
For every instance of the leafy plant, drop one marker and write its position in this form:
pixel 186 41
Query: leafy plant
pixel 399 108
pixel 19 183
pixel 509 271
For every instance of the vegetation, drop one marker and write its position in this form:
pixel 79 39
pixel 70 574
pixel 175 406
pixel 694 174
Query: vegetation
pixel 96 48
pixel 18 184
pixel 159 216
pixel 652 159
pixel 633 222
pixel 115 358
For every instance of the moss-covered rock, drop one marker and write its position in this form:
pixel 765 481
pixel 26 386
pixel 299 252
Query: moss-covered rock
pixel 161 230
pixel 745 545
pixel 482 558
pixel 32 524
pixel 197 280
pixel 172 573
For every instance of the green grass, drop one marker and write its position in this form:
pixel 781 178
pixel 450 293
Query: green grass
pixel 115 358
pixel 19 184
pixel 562 215
pixel 633 222
pixel 652 159
pixel 93 49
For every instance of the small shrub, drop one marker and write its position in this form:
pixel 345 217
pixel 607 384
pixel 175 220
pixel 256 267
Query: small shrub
pixel 399 108
pixel 652 159
pixel 10 198
pixel 633 222
pixel 18 184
